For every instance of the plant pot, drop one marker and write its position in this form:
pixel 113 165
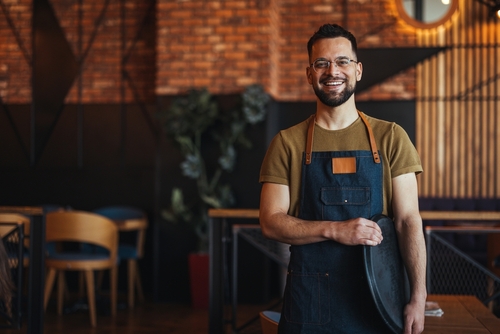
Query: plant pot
pixel 199 276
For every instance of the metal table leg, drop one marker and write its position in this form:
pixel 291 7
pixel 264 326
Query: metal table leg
pixel 234 279
pixel 429 249
pixel 216 281
pixel 36 274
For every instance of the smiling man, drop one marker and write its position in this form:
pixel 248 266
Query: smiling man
pixel 322 181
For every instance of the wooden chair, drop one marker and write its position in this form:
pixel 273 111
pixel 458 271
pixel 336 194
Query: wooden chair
pixel 11 272
pixel 129 219
pixel 88 228
pixel 14 218
pixel 269 321
pixel 18 219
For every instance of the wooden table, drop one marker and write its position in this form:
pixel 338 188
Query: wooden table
pixel 36 275
pixel 461 215
pixel 462 315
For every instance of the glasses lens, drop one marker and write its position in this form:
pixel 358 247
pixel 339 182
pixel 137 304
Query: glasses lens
pixel 321 65
pixel 342 62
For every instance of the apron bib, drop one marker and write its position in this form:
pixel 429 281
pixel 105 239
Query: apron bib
pixel 327 289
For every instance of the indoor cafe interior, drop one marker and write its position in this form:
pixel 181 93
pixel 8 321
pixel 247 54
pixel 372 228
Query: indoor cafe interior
pixel 132 135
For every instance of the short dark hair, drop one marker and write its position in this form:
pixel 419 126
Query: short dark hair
pixel 332 31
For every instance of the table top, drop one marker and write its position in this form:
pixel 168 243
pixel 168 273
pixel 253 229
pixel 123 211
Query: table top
pixel 25 210
pixel 233 213
pixel 132 224
pixel 462 314
pixel 460 215
pixel 426 215
pixel 467 228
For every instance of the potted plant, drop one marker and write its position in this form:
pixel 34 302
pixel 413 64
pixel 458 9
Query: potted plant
pixel 196 124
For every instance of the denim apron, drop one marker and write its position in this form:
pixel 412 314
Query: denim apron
pixel 327 289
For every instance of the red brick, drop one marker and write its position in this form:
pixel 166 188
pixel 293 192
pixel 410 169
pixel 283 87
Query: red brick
pixel 231 43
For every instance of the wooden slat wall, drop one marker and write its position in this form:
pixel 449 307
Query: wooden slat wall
pixel 458 106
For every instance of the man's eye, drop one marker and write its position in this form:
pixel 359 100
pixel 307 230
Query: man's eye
pixel 321 64
pixel 343 62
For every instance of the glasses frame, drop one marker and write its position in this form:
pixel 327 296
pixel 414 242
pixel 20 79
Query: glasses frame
pixel 330 62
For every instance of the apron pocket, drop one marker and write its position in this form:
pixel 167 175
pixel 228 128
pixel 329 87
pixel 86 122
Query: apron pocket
pixel 308 298
pixel 342 203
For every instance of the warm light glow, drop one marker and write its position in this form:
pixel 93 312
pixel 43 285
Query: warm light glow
pixel 498 13
pixel 445 2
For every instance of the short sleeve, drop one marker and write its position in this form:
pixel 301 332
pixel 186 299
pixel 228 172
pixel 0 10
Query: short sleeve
pixel 403 156
pixel 275 167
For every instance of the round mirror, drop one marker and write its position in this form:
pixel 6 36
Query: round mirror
pixel 426 13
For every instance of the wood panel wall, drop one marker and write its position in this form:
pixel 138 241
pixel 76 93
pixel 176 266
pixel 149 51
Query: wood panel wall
pixel 458 105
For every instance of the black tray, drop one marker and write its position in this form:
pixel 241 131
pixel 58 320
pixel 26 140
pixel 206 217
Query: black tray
pixel 386 275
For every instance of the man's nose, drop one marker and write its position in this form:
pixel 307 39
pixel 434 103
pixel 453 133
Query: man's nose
pixel 333 68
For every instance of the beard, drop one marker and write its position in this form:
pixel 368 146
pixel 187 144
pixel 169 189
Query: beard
pixel 334 99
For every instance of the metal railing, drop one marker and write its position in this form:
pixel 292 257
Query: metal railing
pixel 13 242
pixel 452 271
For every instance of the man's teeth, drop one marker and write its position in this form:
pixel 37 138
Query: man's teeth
pixel 333 83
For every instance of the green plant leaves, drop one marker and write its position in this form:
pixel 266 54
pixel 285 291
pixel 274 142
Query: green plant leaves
pixel 189 122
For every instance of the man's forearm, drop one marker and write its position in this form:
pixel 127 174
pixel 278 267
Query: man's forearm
pixel 291 230
pixel 413 252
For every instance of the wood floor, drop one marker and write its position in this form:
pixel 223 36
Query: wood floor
pixel 146 318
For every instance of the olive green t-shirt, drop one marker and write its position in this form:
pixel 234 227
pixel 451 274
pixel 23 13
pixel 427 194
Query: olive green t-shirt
pixel 283 161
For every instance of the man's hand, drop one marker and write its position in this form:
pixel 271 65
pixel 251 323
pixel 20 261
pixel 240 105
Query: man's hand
pixel 414 318
pixel 357 231
pixel 278 225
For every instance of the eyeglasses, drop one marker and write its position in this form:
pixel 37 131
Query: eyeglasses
pixel 321 65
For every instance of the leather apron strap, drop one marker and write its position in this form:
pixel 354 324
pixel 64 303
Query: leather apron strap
pixel 310 135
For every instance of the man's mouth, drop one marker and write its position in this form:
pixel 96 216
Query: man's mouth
pixel 333 82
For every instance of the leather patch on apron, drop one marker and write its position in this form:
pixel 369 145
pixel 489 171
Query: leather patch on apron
pixel 344 165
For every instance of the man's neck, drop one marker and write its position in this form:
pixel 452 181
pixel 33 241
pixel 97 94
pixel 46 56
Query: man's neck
pixel 336 118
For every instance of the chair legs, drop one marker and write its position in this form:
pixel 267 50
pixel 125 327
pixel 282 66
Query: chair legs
pixel 131 266
pixel 138 285
pixel 88 277
pixel 114 288
pixel 134 281
pixel 49 283
pixel 60 291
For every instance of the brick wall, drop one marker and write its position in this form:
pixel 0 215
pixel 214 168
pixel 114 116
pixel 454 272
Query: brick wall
pixel 223 45
pixel 265 41
pixel 280 38
pixel 15 51
pixel 114 35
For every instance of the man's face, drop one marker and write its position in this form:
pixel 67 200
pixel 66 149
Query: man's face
pixel 334 85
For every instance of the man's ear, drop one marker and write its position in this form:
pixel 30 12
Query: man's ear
pixel 359 71
pixel 309 75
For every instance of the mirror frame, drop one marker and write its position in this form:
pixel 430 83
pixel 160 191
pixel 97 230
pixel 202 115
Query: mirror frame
pixel 423 25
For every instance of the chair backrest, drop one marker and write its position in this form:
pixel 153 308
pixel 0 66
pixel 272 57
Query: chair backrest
pixel 53 207
pixel 82 226
pixel 120 212
pixel 15 218
pixel 6 228
pixel 269 321
pixel 129 219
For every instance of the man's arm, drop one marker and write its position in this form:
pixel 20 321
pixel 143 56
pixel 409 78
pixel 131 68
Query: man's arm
pixel 276 224
pixel 408 225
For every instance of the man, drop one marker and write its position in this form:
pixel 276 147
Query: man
pixel 322 180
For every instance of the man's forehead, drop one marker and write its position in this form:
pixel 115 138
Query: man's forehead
pixel 325 44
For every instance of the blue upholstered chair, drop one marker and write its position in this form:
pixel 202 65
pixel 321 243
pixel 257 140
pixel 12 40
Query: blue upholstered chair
pixel 135 221
pixel 269 321
pixel 86 228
